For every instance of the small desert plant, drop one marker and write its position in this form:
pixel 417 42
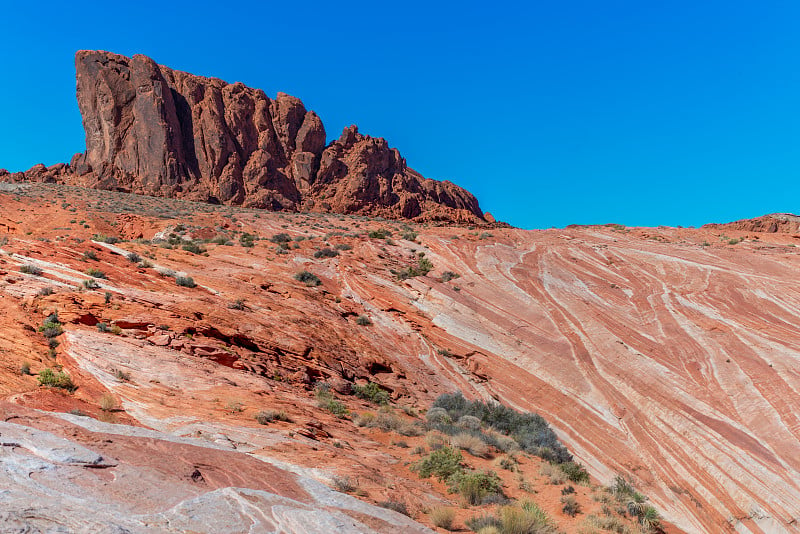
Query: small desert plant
pixel 265 417
pixel 442 464
pixel 46 291
pixel 133 257
pixel 379 234
pixel 95 273
pixel 163 271
pixel 575 472
pixel 193 247
pixel 570 506
pixel 473 444
pixel 59 379
pixel 553 472
pixel 344 484
pixel 31 269
pixel 371 392
pixel 443 517
pixel 185 281
pixel 326 253
pixel 397 506
pixel 102 327
pixel 307 278
pixel 237 304
pixel 90 284
pixel 449 275
pixel 326 400
pixel 280 238
pixel 90 255
pixel 363 320
pixel 108 402
pixel 474 486
pixel 25 368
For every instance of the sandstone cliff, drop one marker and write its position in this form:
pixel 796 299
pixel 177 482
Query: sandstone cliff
pixel 156 131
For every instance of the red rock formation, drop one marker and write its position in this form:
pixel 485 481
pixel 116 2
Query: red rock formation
pixel 784 223
pixel 155 131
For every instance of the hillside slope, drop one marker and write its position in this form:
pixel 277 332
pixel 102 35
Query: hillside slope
pixel 669 356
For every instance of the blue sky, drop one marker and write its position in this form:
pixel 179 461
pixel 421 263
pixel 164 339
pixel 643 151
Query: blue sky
pixel 551 113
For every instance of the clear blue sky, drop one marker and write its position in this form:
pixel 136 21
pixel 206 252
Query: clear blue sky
pixel 552 113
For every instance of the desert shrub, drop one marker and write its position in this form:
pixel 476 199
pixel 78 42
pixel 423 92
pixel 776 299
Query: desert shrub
pixel 51 328
pixel 46 291
pixel 110 239
pixel 553 472
pixel 468 442
pixel 133 257
pixel 325 253
pixel 326 401
pixel 526 518
pixel 437 416
pixel 31 269
pixel 409 235
pixel 442 464
pixel 435 440
pixel 121 375
pixel 607 523
pixel 443 517
pixel 185 281
pixel 507 462
pixel 237 304
pixel 165 272
pixel 308 278
pixel 344 484
pixel 570 506
pixel 193 247
pixel 102 327
pixel 449 275
pixel 265 417
pixel 90 255
pixel 247 240
pixel 25 368
pixel 59 379
pixel 473 486
pixel 108 402
pixel 363 320
pixel 397 506
pixel 575 472
pixel 480 523
pixel 379 234
pixel 371 392
pixel 469 421
pixel 96 273
pixel 90 284
pixel 529 430
pixel 280 238
pixel 344 246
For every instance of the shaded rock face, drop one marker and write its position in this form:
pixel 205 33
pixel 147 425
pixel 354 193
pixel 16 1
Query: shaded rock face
pixel 155 131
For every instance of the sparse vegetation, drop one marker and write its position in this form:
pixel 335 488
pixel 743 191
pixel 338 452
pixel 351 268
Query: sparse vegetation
pixel 325 253
pixel 442 517
pixel 31 269
pixel 363 320
pixel 309 279
pixel 371 392
pixel 95 273
pixel 185 281
pixel 55 379
pixel 266 417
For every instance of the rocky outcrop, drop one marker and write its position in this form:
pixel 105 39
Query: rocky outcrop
pixel 782 223
pixel 155 131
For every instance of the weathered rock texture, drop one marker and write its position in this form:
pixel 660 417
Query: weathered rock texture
pixel 667 355
pixel 156 131
pixel 784 223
